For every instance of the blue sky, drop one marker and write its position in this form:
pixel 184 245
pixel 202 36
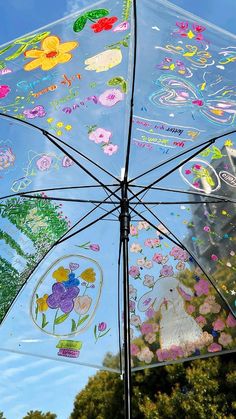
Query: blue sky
pixel 27 382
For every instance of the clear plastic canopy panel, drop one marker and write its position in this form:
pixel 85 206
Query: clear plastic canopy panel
pixel 65 105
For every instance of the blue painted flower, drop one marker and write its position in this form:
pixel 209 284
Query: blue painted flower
pixel 72 281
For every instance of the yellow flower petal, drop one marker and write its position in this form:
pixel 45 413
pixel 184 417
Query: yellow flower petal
pixel 33 64
pixel 48 63
pixel 34 53
pixel 50 120
pixel 88 275
pixel 68 127
pixel 60 124
pixel 61 274
pixel 50 43
pixel 42 303
pixel 59 133
pixel 63 58
pixel 67 46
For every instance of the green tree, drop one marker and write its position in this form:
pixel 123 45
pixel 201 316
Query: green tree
pixel 2 415
pixel 36 414
pixel 200 389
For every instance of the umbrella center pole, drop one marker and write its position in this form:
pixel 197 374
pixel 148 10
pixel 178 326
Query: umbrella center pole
pixel 124 231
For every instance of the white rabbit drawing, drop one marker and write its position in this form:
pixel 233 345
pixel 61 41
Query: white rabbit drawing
pixel 177 327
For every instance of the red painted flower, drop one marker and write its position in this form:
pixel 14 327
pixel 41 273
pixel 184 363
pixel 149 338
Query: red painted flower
pixel 104 24
pixel 198 28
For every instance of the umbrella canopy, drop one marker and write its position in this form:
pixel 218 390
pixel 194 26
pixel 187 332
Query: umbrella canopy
pixel 117 122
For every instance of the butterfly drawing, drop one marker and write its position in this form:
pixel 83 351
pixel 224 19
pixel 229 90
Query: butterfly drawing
pixel 182 94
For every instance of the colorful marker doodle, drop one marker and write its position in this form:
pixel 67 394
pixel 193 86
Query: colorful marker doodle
pixel 200 175
pixel 67 295
pixel 69 348
pixel 156 132
pixel 176 92
pixel 228 55
pixel 168 64
pixel 24 43
pixel 199 58
pixel 190 30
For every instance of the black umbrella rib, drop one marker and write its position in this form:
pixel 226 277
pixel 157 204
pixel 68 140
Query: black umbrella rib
pixel 119 302
pixel 87 226
pixel 180 191
pixel 177 202
pixel 210 141
pixel 177 243
pixel 79 164
pixel 58 139
pixel 132 90
pixel 87 201
pixel 175 168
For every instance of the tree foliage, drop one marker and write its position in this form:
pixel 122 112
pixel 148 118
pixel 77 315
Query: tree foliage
pixel 199 389
pixel 36 414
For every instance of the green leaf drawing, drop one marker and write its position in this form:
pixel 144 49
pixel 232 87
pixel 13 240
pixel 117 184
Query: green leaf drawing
pixel 44 321
pixel 97 14
pixel 80 23
pixel 81 321
pixel 95 331
pixel 118 81
pixel 103 334
pixel 61 318
pixel 206 152
pixel 73 325
pixel 216 153
pixel 210 181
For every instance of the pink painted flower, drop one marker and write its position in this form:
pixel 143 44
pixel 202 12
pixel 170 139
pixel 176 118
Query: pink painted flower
pixel 100 135
pixel 146 328
pixel 182 25
pixel 157 258
pixel 136 248
pixel 37 111
pixel 201 321
pixel 225 339
pixel 176 252
pixel 214 258
pixel 44 163
pixel 134 349
pixel 7 158
pixel 162 354
pixel 123 26
pixel 133 230
pixel 148 264
pixel 198 28
pixel 218 325
pixel 188 172
pixel 176 352
pixel 180 266
pixel 150 338
pixel 134 272
pixel 198 102
pixel 152 243
pixel 231 321
pixel 67 161
pixel 4 90
pixel 196 184
pixel 132 292
pixel 190 309
pixel 143 225
pixel 141 262
pixel 148 281
pixel 214 347
pixel 94 247
pixel 82 304
pixel 110 149
pixel 205 308
pixel 166 271
pixel 145 355
pixel 131 305
pixel 202 287
pixel 110 97
pixel 135 320
pixel 207 229
pixel 150 313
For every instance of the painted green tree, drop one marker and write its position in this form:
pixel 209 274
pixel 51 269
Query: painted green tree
pixel 41 222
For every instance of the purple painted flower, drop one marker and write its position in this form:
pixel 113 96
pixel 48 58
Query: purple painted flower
pixel 166 271
pixel 67 161
pixel 102 327
pixel 123 26
pixel 62 298
pixel 38 111
pixel 44 163
pixel 132 305
pixel 110 97
pixel 202 287
pixel 73 266
pixel 67 109
pixel 134 272
pixel 94 247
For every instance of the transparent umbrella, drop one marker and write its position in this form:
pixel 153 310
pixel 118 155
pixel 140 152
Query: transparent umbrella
pixel 118 181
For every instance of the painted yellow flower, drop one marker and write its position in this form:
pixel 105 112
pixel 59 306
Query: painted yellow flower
pixel 68 127
pixel 42 303
pixel 228 143
pixel 104 61
pixel 52 53
pixel 60 124
pixel 61 274
pixel 49 120
pixel 88 275
pixel 59 133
